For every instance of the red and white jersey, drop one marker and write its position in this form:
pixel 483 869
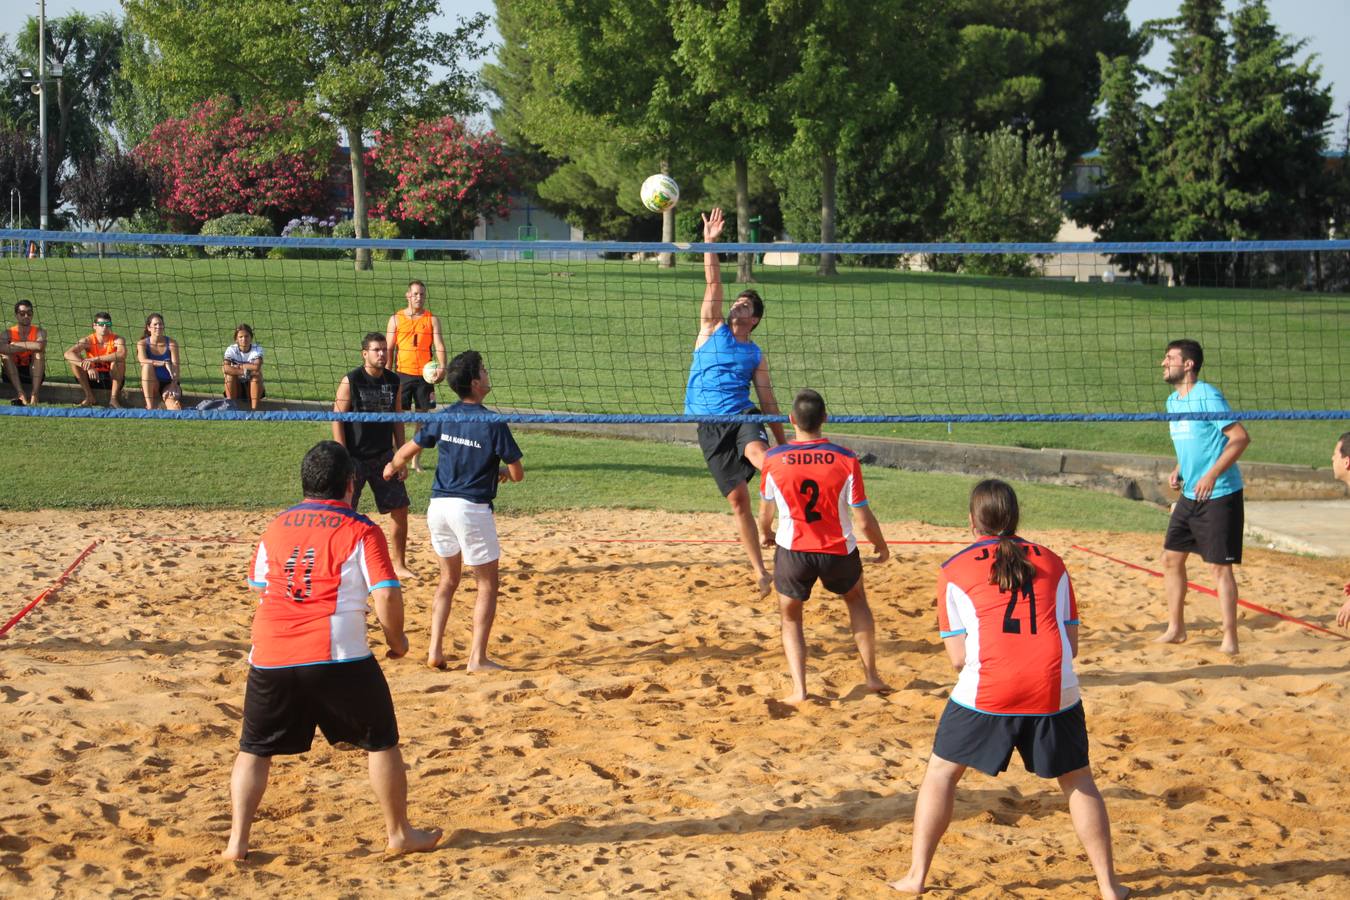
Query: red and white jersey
pixel 1018 657
pixel 814 483
pixel 315 565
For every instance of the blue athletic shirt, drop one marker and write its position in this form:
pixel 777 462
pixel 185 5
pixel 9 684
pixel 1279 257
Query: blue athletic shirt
pixel 720 375
pixel 469 454
pixel 1199 444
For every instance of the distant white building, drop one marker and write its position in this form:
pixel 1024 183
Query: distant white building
pixel 528 222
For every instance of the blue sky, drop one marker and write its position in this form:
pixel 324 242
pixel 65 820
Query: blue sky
pixel 1320 22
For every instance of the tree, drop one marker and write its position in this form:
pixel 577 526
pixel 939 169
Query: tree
pixel 366 64
pixel 108 186
pixel 1278 120
pixel 1121 208
pixel 1004 187
pixel 221 159
pixel 441 177
pixel 20 168
pixel 88 49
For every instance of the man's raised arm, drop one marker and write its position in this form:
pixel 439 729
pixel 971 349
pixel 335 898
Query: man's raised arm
pixel 710 316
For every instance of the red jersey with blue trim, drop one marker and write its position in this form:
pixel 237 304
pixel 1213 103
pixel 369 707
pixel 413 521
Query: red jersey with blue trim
pixel 316 566
pixel 1018 657
pixel 814 483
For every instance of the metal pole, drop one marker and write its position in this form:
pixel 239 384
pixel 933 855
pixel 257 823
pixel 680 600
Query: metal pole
pixel 42 118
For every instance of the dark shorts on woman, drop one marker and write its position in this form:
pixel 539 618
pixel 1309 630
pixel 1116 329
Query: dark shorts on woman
pixel 1212 528
pixel 795 572
pixel 723 446
pixel 1050 745
pixel 348 701
pixel 389 495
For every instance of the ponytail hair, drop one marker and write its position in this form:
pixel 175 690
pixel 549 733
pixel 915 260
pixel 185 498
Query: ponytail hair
pixel 993 511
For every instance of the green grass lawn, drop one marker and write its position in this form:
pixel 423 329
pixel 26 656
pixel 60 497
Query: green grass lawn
pixel 227 466
pixel 616 337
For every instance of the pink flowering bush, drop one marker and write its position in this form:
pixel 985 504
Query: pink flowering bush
pixel 438 178
pixel 221 159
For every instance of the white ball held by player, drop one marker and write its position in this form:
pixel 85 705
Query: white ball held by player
pixel 660 193
pixel 430 371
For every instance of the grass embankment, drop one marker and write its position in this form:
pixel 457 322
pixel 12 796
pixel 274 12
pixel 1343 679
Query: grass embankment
pixel 82 464
pixel 616 337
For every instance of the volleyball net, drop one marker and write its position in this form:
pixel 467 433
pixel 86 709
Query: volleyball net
pixel 600 332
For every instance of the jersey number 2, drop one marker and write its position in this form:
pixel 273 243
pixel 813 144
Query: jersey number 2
pixel 1010 624
pixel 301 595
pixel 812 492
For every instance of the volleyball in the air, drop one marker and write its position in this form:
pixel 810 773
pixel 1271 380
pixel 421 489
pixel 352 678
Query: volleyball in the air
pixel 660 193
pixel 1109 276
pixel 430 371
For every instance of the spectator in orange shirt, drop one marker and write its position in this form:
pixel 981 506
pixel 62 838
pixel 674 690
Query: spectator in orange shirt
pixel 99 360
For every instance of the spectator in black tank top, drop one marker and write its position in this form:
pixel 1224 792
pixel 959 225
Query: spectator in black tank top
pixel 372 388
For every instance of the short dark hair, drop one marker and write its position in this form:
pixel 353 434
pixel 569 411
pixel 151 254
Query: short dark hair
pixel 419 282
pixel 462 371
pixel 325 471
pixel 21 304
pixel 756 302
pixel 1343 443
pixel 808 410
pixel 1189 350
pixel 370 338
pixel 244 326
pixel 103 315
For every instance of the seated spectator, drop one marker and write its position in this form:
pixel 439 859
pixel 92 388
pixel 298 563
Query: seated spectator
pixel 243 367
pixel 23 354
pixel 158 356
pixel 99 360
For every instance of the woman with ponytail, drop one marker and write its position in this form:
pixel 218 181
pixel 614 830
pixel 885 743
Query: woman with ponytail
pixel 1009 620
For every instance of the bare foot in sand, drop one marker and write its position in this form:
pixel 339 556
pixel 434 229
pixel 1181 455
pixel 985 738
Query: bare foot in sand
pixel 796 699
pixel 415 840
pixel 485 665
pixel 765 585
pixel 877 686
pixel 1171 637
pixel 910 884
pixel 1229 646
pixel 234 852
pixel 438 663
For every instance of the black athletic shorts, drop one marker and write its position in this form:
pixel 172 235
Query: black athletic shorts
pixel 25 373
pixel 389 495
pixel 416 392
pixel 795 572
pixel 101 379
pixel 348 701
pixel 724 446
pixel 1212 528
pixel 1050 746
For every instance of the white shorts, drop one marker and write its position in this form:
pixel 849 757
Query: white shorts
pixel 458 525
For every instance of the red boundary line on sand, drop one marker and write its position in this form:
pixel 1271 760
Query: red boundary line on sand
pixel 1213 593
pixel 60 580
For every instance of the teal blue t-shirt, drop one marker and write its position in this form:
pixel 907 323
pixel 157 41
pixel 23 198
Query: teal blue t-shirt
pixel 720 375
pixel 1199 444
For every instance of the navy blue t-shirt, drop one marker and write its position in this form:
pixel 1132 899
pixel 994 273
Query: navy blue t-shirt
pixel 469 454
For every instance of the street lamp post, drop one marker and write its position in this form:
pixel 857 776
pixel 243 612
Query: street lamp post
pixel 39 82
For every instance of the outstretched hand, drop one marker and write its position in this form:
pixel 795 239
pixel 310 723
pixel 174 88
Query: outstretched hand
pixel 712 225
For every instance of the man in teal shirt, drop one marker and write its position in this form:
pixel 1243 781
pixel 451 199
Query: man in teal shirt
pixel 1208 518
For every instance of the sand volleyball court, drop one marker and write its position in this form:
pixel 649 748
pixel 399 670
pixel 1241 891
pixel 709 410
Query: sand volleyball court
pixel 637 745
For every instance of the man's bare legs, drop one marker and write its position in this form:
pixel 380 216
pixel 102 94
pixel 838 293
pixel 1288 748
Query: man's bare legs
pixel 864 634
pixel 739 498
pixel 12 373
pixel 1090 821
pixel 484 613
pixel 1174 589
pixel 399 542
pixel 932 815
pixel 794 647
pixel 440 607
pixel 1226 585
pixel 82 376
pixel 248 781
pixel 390 782
pixel 38 369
